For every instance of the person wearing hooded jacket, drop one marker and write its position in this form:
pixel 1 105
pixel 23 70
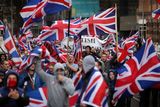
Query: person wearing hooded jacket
pixel 88 67
pixel 10 94
pixel 59 86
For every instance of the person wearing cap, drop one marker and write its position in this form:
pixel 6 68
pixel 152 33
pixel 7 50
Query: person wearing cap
pixel 10 94
pixel 58 85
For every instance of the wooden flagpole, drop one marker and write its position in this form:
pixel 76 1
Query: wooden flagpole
pixel 116 30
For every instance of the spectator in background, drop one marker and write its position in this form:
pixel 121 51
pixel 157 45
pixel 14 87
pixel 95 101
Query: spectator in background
pixel 50 69
pixel 29 80
pixel 105 58
pixel 100 65
pixel 10 94
pixel 111 84
pixel 6 66
pixel 59 86
pixel 1 78
pixel 87 51
pixel 3 57
pixel 72 68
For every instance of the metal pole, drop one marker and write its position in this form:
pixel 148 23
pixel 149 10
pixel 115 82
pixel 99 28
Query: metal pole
pixel 142 28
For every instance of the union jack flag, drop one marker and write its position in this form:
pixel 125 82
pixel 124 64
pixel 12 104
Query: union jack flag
pixel 36 16
pixel 47 36
pixel 77 49
pixel 59 30
pixel 96 92
pixel 126 47
pixel 138 73
pixel 28 9
pixel 156 14
pixel 110 39
pixel 10 46
pixel 38 98
pixel 2 27
pixel 37 51
pixel 43 8
pixel 24 42
pixel 56 52
pixel 62 56
pixel 78 82
pixel 100 24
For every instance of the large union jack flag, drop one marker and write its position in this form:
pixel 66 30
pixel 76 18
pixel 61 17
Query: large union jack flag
pixel 100 24
pixel 38 98
pixel 138 73
pixel 59 30
pixel 96 91
pixel 10 46
pixel 43 8
pixel 156 14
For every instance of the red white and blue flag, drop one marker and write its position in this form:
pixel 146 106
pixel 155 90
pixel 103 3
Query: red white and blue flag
pixel 37 51
pixel 96 92
pixel 44 8
pixel 78 49
pixel 11 48
pixel 24 41
pixel 59 30
pixel 38 98
pixel 126 47
pixel 78 83
pixel 140 72
pixel 156 14
pixel 2 27
pixel 62 56
pixel 100 24
pixel 29 9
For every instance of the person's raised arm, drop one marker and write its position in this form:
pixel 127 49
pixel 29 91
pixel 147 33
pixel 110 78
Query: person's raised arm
pixel 44 76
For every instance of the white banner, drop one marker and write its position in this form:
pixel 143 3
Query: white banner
pixel 86 41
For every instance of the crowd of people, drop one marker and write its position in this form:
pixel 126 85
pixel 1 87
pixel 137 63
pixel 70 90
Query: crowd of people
pixel 58 80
